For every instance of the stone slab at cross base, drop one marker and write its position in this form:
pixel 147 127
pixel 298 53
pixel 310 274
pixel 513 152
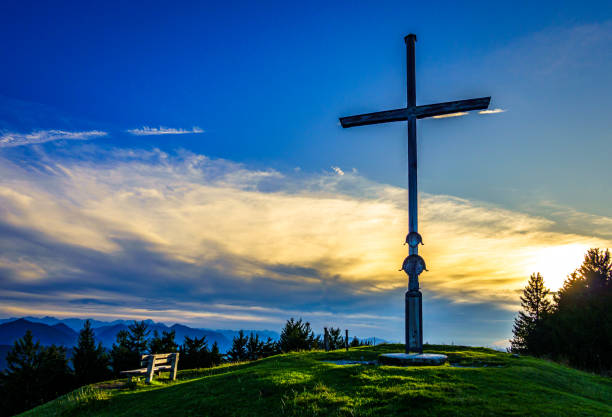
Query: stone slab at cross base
pixel 412 359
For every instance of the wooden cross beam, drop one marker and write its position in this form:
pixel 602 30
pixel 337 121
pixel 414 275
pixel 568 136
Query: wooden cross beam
pixel 419 112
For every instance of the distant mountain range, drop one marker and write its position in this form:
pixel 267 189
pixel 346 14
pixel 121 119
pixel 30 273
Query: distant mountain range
pixel 58 334
pixel 50 330
pixel 65 332
pixel 75 324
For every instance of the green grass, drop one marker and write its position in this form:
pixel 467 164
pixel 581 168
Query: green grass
pixel 301 384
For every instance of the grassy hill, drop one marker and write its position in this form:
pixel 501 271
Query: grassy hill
pixel 480 382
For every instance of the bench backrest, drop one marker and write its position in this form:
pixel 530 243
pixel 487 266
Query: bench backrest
pixel 161 359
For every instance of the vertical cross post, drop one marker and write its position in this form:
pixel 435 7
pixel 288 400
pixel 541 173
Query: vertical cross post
pixel 346 341
pixel 412 137
pixel 326 339
pixel 414 298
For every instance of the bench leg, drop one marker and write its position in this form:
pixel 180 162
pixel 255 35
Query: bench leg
pixel 150 369
pixel 175 359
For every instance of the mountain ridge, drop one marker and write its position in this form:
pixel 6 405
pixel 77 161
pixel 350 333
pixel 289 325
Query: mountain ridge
pixel 50 330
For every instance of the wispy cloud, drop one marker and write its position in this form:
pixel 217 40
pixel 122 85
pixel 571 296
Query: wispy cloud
pixel 41 136
pixel 145 131
pixel 491 111
pixel 443 116
pixel 162 235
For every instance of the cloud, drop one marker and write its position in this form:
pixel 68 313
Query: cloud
pixel 491 111
pixel 338 171
pixel 501 344
pixel 443 116
pixel 145 131
pixel 41 136
pixel 188 238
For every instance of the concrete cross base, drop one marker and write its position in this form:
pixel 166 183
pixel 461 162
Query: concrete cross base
pixel 412 359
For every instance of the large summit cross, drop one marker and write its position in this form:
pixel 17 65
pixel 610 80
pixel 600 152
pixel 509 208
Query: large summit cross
pixel 413 264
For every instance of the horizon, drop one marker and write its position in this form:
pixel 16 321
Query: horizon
pixel 97 324
pixel 186 164
pixel 167 324
pixel 4 320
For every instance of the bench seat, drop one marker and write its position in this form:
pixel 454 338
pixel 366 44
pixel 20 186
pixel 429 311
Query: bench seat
pixel 143 371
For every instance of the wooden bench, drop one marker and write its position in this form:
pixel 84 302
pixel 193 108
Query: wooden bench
pixel 155 363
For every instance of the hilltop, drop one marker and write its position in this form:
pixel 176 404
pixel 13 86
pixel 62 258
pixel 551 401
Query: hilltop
pixel 477 381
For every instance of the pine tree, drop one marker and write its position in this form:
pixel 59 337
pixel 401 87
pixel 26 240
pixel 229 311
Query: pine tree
pixel 535 306
pixel 34 374
pixel 582 320
pixel 355 342
pixel 336 340
pixel 270 347
pixel 195 353
pixel 130 345
pixel 593 278
pixel 90 361
pixel 137 337
pixel 596 269
pixel 296 336
pixel 239 348
pixel 254 347
pixel 164 343
pixel 123 358
pixel 215 356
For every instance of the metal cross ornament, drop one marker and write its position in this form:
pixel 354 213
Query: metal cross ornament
pixel 414 264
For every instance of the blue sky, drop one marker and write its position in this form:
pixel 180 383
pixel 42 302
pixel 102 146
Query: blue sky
pixel 248 97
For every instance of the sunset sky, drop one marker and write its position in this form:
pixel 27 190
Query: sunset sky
pixel 184 162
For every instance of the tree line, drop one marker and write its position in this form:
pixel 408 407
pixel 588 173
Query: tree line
pixel 296 335
pixel 36 374
pixel 134 342
pixel 573 326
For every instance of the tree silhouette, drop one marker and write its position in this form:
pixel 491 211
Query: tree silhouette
pixel 238 351
pixel 164 343
pixel 254 347
pixel 122 356
pixel 535 305
pixel 195 354
pixel 137 337
pixel 34 374
pixel 130 345
pixel 593 278
pixel 336 340
pixel 270 347
pixel 296 336
pixel 580 329
pixel 577 327
pixel 90 361
pixel 215 356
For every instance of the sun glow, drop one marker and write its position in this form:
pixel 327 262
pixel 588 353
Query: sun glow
pixel 201 217
pixel 557 262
